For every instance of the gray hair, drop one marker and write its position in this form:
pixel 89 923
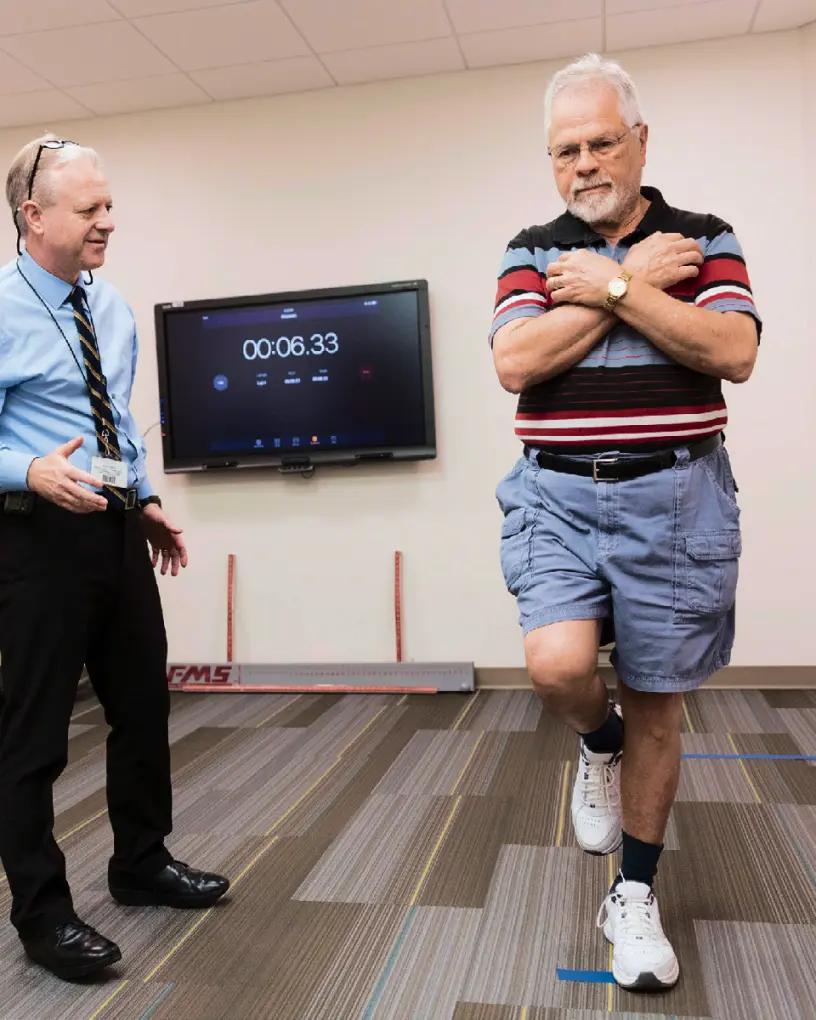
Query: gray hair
pixel 594 68
pixel 43 191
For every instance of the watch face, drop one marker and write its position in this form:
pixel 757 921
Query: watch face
pixel 617 287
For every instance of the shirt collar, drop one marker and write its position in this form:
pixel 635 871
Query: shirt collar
pixel 569 229
pixel 51 288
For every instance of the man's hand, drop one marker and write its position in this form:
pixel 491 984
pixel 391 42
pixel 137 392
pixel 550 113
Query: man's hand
pixel 54 478
pixel 581 278
pixel 663 260
pixel 164 538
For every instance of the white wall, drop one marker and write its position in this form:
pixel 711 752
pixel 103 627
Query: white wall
pixel 430 178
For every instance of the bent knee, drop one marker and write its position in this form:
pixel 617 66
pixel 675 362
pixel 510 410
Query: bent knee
pixel 562 656
pixel 553 673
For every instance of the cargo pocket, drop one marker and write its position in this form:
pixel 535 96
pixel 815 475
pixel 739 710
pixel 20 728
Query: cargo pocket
pixel 711 568
pixel 516 538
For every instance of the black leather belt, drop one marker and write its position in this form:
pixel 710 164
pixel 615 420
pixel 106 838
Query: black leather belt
pixel 122 499
pixel 18 502
pixel 23 502
pixel 614 469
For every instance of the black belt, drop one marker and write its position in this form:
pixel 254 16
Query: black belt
pixel 121 499
pixel 23 502
pixel 614 469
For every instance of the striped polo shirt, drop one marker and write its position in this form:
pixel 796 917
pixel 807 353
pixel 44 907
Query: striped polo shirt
pixel 625 394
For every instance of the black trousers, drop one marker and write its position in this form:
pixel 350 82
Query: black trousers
pixel 78 589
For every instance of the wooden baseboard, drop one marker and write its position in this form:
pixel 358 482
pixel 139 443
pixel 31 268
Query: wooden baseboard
pixel 734 677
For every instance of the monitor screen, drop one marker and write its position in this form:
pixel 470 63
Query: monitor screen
pixel 297 379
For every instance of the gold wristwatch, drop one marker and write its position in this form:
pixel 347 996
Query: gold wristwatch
pixel 616 290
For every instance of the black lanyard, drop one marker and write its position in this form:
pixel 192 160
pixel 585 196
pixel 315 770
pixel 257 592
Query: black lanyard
pixel 36 293
pixel 71 349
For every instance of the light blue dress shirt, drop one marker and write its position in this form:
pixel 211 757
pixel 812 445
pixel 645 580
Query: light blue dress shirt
pixel 44 399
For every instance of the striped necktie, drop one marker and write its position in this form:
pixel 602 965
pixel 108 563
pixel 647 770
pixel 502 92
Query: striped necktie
pixel 101 408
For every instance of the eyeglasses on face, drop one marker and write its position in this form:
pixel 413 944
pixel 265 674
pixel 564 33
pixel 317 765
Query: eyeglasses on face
pixel 565 156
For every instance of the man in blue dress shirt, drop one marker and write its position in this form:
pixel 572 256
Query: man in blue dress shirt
pixel 77 512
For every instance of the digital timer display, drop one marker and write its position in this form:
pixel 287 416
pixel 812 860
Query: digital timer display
pixel 290 346
pixel 254 379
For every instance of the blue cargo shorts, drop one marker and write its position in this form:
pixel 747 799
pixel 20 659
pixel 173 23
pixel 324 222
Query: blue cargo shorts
pixel 655 557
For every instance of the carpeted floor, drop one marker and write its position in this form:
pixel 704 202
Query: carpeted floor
pixel 412 857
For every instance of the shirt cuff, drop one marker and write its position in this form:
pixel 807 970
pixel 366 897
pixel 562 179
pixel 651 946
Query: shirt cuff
pixel 144 488
pixel 14 470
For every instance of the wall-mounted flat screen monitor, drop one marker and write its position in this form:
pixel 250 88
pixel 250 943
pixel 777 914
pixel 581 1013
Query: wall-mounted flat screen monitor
pixel 297 379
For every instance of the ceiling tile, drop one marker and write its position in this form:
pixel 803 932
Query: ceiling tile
pixel 16 78
pixel 626 6
pixel 709 20
pixel 356 24
pixel 402 60
pixel 539 42
pixel 488 16
pixel 42 110
pixel 140 94
pixel 17 16
pixel 243 33
pixel 140 8
pixel 776 14
pixel 266 79
pixel 94 53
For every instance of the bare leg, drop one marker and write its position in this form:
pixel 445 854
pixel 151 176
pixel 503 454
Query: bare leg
pixel 562 659
pixel 651 761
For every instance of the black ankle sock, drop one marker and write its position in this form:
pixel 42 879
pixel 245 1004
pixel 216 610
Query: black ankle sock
pixel 608 738
pixel 639 863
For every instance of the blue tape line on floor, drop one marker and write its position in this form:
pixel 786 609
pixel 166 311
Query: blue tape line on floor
pixel 596 977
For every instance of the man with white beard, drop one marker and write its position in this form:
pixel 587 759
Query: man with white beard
pixel 615 323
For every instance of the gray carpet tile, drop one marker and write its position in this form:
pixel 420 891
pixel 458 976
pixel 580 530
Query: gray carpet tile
pixel 459 877
pixel 790 699
pixel 485 1011
pixel 706 743
pixel 715 780
pixel 477 778
pixel 78 728
pixel 733 712
pixel 759 971
pixel 508 711
pixel 798 823
pixel 347 986
pixel 528 924
pixel 431 764
pixel 414 857
pixel 801 724
pixel 776 781
pixel 362 863
pixel 740 866
pixel 427 965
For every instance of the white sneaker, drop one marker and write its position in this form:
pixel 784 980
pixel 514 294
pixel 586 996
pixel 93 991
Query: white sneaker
pixel 642 957
pixel 596 802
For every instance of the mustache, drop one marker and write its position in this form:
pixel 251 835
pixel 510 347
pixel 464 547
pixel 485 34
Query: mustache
pixel 577 189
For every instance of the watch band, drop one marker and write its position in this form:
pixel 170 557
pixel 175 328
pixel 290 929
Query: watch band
pixel 148 500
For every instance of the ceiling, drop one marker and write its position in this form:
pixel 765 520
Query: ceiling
pixel 60 61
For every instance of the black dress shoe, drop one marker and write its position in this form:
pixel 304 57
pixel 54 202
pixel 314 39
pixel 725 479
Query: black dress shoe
pixel 72 950
pixel 176 885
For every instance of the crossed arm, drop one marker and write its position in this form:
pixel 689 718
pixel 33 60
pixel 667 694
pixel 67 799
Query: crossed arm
pixel 530 350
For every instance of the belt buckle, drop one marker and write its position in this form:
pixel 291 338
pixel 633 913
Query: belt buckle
pixel 598 464
pixel 130 499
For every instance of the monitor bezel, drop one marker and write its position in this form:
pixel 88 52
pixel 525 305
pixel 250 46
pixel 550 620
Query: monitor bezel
pixel 306 459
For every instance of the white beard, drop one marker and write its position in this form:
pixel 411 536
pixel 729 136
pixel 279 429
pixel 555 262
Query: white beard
pixel 611 205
